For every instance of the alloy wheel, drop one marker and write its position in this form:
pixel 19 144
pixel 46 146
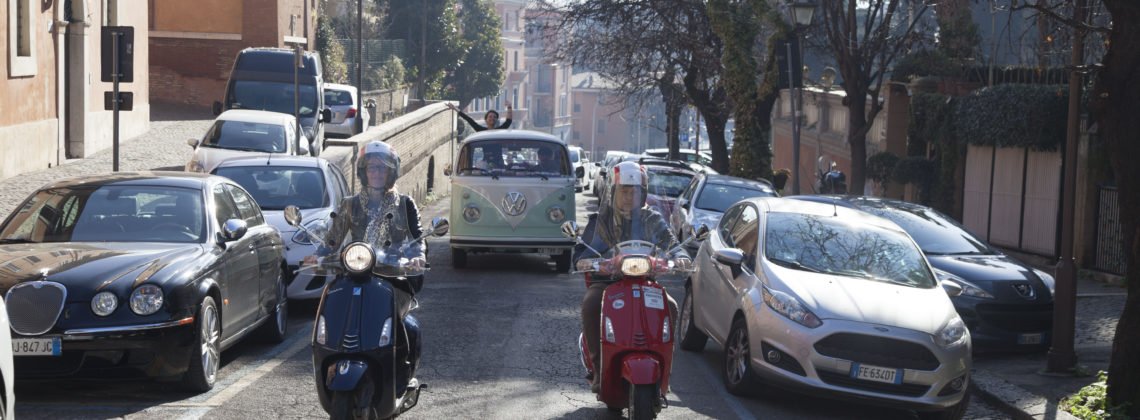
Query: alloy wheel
pixel 736 356
pixel 209 351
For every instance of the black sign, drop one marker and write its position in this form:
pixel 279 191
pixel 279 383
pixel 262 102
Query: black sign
pixel 126 101
pixel 126 38
pixel 797 63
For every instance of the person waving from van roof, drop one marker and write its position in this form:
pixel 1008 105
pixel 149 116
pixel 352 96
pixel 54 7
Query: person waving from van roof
pixel 491 118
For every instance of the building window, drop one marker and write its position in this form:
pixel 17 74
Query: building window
pixel 21 40
pixel 516 61
pixel 577 107
pixel 515 97
pixel 110 12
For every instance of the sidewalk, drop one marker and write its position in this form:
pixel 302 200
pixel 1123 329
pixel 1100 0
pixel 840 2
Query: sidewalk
pixel 1016 384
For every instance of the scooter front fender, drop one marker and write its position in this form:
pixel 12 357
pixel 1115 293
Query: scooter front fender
pixel 641 369
pixel 344 375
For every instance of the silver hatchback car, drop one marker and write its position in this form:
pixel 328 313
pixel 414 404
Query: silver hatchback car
pixel 826 298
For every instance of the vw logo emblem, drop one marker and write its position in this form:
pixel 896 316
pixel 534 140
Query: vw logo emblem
pixel 514 203
pixel 1025 291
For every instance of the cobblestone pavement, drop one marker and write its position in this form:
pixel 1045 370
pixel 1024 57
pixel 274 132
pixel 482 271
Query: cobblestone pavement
pixel 161 147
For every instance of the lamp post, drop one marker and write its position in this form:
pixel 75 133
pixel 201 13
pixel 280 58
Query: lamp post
pixel 802 12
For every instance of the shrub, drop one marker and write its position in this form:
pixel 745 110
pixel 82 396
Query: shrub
pixel 1091 402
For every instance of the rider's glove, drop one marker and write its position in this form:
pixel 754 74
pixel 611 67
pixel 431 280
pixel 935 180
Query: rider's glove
pixel 682 263
pixel 584 264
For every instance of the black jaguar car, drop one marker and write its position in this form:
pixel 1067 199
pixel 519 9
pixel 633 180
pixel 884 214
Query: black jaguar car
pixel 151 272
pixel 1006 304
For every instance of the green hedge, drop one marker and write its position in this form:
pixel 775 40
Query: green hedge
pixel 1013 115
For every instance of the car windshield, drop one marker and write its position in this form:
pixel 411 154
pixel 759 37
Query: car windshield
pixel 935 233
pixel 337 97
pixel 573 156
pixel 837 246
pixel 719 197
pixel 668 183
pixel 274 187
pixel 247 136
pixel 112 213
pixel 513 158
pixel 271 96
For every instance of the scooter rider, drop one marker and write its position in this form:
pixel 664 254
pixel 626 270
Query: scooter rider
pixel 621 216
pixel 379 216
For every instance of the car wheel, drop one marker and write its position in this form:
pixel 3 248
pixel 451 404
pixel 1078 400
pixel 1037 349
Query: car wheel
pixel 458 258
pixel 562 262
pixel 203 371
pixel 692 339
pixel 738 376
pixel 274 329
pixel 953 412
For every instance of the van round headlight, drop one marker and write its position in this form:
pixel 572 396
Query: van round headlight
pixel 471 213
pixel 104 303
pixel 634 266
pixel 555 214
pixel 146 299
pixel 357 257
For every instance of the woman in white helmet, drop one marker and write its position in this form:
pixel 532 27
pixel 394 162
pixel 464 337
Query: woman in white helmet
pixel 621 216
pixel 379 215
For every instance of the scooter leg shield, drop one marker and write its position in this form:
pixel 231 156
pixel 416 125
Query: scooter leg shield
pixel 345 375
pixel 641 369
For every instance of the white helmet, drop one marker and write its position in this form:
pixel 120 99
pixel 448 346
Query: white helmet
pixel 388 158
pixel 631 173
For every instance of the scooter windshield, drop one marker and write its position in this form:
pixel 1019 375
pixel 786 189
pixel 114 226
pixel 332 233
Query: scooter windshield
pixel 395 259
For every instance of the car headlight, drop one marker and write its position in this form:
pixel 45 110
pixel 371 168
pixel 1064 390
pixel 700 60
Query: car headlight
pixel 953 334
pixel 322 335
pixel 318 227
pixel 195 166
pixel 386 333
pixel 968 289
pixel 357 257
pixel 146 299
pixel 555 214
pixel 791 308
pixel 1049 281
pixel 635 266
pixel 471 213
pixel 104 303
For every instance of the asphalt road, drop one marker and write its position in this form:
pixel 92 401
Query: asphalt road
pixel 499 343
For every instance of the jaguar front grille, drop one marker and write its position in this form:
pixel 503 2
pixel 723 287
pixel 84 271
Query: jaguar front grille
pixel 34 306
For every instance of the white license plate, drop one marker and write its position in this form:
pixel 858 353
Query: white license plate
pixel 876 373
pixel 1034 338
pixel 654 298
pixel 36 347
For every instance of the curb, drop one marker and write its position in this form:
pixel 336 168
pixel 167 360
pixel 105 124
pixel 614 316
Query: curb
pixel 1014 400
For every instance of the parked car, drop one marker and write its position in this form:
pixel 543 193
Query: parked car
pixel 7 369
pixel 604 168
pixel 667 179
pixel 346 108
pixel 244 133
pixel 312 184
pixel 578 162
pixel 508 200
pixel 687 155
pixel 1006 304
pixel 154 273
pixel 264 78
pixel 706 198
pixel 828 300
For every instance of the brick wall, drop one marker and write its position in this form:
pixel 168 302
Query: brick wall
pixel 190 71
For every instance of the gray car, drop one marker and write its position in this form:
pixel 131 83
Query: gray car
pixel 828 300
pixel 312 184
pixel 706 198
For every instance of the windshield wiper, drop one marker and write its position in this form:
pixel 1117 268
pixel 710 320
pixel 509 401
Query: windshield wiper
pixel 793 264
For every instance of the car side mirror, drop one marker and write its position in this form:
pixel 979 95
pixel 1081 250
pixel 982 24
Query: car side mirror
pixel 292 215
pixel 685 204
pixel 952 289
pixel 193 143
pixel 217 108
pixel 703 233
pixel 234 229
pixel 602 174
pixel 570 229
pixel 598 164
pixel 326 115
pixel 447 170
pixel 580 172
pixel 729 256
pixel 303 149
pixel 439 226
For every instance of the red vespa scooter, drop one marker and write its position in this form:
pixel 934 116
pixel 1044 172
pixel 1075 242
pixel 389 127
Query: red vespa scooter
pixel 637 347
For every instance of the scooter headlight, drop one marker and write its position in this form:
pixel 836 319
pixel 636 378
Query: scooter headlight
pixel 386 333
pixel 357 257
pixel 321 332
pixel 635 266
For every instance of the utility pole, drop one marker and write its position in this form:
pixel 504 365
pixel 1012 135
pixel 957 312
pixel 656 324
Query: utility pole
pixel 359 66
pixel 1061 353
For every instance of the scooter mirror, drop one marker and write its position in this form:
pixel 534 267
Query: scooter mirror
pixel 292 215
pixel 439 226
pixel 703 233
pixel 570 229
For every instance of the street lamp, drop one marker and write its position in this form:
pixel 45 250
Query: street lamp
pixel 802 12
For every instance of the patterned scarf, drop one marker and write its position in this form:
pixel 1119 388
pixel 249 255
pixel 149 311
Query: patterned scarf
pixel 379 218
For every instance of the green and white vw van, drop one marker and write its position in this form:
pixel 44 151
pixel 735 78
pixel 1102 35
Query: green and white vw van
pixel 510 192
